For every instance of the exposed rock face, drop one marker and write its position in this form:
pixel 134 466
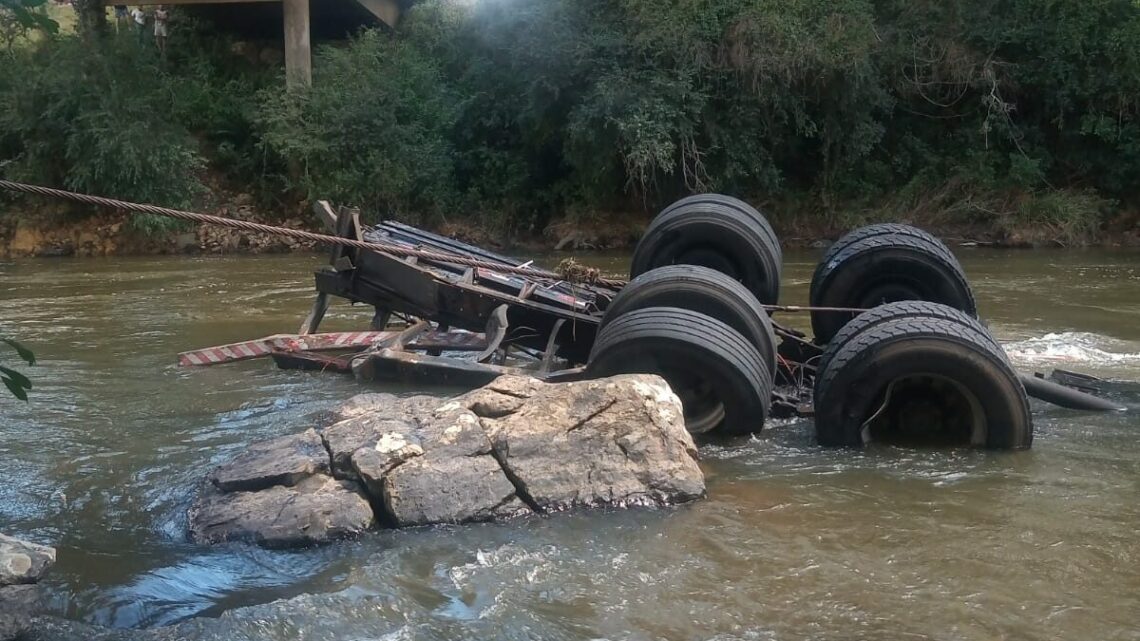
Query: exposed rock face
pixel 282 461
pixel 608 442
pixel 316 510
pixel 348 436
pixel 22 564
pixel 515 447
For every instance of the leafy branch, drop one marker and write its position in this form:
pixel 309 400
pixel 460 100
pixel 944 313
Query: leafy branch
pixel 17 383
pixel 18 17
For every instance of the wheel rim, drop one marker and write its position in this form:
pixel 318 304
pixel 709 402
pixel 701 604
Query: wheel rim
pixel 926 410
pixel 700 402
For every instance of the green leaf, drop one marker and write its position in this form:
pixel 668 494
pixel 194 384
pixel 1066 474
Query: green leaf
pixel 16 377
pixel 17 391
pixel 24 352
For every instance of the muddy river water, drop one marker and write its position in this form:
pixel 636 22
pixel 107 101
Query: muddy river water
pixel 793 542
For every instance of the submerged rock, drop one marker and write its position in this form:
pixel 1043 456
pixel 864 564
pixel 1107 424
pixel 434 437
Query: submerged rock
pixel 18 604
pixel 515 447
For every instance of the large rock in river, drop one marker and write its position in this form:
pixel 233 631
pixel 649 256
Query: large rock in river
pixel 515 447
pixel 22 564
pixel 279 493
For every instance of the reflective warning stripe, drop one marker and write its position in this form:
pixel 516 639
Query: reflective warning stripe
pixel 281 342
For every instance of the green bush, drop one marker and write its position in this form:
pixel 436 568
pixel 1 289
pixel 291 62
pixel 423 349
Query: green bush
pixel 518 111
pixel 372 132
pixel 96 121
pixel 111 117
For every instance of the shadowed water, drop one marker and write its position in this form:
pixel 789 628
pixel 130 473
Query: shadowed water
pixel 794 541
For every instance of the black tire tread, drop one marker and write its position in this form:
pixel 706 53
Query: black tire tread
pixel 733 221
pixel 701 281
pixel 883 242
pixel 741 206
pixel 703 332
pixel 734 347
pixel 879 229
pixel 910 328
pixel 903 309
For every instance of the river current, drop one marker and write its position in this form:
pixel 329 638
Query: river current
pixel 794 541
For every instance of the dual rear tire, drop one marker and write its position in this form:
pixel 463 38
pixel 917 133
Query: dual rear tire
pixel 881 264
pixel 917 368
pixel 919 373
pixel 693 313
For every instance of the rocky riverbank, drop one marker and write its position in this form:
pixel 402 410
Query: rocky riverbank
pixel 515 448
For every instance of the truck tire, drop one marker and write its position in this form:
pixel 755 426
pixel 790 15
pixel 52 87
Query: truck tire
pixel 716 236
pixel 895 311
pixel 927 380
pixel 742 207
pixel 701 290
pixel 880 229
pixel 882 269
pixel 721 378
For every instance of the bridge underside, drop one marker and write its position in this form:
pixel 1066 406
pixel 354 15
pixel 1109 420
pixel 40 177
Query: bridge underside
pixel 296 23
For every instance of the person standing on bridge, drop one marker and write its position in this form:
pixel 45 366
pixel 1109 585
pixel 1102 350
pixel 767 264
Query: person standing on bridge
pixel 139 17
pixel 161 17
pixel 121 16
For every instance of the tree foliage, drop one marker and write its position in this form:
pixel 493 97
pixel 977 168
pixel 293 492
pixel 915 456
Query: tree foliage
pixel 522 110
pixel 115 119
pixel 18 18
pixel 372 131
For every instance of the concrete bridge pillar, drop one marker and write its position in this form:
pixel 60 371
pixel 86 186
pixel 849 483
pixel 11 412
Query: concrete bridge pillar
pixel 298 50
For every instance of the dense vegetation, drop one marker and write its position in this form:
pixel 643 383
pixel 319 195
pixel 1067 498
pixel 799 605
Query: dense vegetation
pixel 1006 114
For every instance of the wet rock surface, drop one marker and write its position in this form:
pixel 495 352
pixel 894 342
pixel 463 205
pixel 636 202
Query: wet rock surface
pixel 23 562
pixel 22 565
pixel 18 604
pixel 513 448
pixel 316 510
pixel 282 461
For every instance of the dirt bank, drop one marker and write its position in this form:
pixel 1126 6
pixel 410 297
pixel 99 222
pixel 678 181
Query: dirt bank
pixel 61 232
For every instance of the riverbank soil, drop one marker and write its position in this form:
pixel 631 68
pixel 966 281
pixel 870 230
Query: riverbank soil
pixel 60 229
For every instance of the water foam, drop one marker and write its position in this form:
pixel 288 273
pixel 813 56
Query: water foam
pixel 1075 348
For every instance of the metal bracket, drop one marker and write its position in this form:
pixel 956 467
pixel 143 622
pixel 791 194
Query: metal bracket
pixel 496 330
pixel 316 315
pixel 551 344
pixel 400 341
pixel 380 319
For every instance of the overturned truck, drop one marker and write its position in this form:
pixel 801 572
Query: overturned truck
pixel 898 352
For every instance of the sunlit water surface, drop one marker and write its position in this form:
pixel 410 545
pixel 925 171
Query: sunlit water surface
pixel 793 542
